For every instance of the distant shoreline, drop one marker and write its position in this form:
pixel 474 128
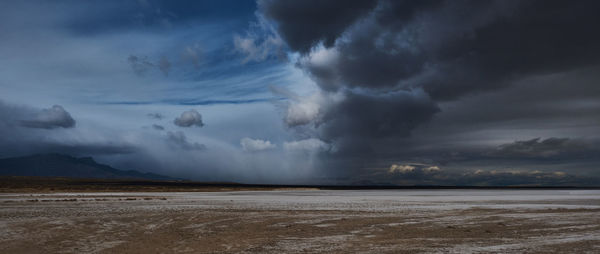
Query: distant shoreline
pixel 26 184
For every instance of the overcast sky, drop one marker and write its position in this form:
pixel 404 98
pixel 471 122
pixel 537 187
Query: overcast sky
pixel 310 91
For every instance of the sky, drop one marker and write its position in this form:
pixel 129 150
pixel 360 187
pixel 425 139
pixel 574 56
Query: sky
pixel 308 92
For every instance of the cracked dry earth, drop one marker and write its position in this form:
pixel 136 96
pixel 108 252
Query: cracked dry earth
pixel 394 221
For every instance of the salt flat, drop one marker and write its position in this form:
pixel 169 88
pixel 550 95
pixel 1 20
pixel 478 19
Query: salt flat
pixel 342 221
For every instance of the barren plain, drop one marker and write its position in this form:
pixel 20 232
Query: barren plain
pixel 302 221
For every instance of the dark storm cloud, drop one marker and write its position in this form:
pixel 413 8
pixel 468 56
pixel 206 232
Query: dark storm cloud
pixel 379 54
pixel 566 97
pixel 179 139
pixel 189 118
pixel 450 48
pixel 445 83
pixel 54 117
pixel 550 148
pixel 305 23
pixel 522 153
pixel 369 116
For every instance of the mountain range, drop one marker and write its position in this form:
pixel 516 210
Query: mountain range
pixel 60 165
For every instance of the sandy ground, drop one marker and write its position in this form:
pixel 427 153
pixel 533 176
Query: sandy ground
pixel 388 221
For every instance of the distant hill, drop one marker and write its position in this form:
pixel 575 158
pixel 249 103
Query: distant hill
pixel 60 165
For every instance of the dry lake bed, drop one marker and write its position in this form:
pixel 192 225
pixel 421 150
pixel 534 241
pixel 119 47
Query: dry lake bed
pixel 303 221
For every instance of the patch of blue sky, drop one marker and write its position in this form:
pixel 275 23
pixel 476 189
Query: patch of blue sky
pixel 149 15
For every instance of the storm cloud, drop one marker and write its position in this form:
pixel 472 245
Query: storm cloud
pixel 447 48
pixel 50 131
pixel 436 46
pixel 550 148
pixel 327 20
pixel 367 115
pixel 406 79
pixel 189 118
pixel 50 118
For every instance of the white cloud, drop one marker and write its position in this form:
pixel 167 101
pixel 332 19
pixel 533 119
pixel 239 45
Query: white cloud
pixel 401 168
pixel 302 110
pixel 323 57
pixel 255 145
pixel 322 64
pixel 413 168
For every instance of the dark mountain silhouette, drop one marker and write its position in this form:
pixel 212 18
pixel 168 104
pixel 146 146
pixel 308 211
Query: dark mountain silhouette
pixel 60 165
